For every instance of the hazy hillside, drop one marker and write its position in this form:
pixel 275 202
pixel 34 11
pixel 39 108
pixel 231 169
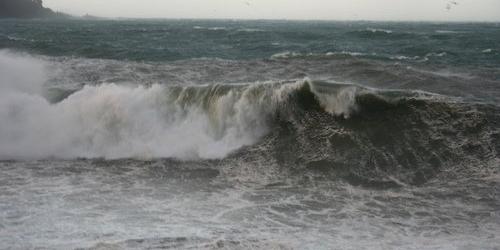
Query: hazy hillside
pixel 26 9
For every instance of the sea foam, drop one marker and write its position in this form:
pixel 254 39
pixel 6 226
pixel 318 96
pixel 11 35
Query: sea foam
pixel 116 121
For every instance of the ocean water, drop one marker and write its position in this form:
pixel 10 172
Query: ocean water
pixel 199 134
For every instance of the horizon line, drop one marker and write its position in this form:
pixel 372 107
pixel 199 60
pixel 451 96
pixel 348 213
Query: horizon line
pixel 282 19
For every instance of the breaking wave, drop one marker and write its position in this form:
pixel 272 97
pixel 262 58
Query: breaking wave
pixel 116 121
pixel 320 125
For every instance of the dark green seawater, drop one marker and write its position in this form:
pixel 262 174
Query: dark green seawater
pixel 159 40
pixel 204 134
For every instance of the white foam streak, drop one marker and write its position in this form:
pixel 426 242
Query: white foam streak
pixel 379 30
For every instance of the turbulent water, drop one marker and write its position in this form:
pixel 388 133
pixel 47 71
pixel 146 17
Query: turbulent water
pixel 153 134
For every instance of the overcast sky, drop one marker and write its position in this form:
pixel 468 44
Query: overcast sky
pixel 466 10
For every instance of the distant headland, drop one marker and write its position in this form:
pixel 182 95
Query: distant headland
pixel 27 9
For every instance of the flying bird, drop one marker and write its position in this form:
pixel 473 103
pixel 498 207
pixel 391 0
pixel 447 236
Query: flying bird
pixel 450 4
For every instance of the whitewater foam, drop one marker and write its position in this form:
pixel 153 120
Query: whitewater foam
pixel 209 28
pixel 250 30
pixel 379 30
pixel 349 53
pixel 401 58
pixel 340 103
pixel 20 72
pixel 118 121
pixel 285 55
pixel 292 54
pixel 115 121
pixel 441 54
pixel 449 32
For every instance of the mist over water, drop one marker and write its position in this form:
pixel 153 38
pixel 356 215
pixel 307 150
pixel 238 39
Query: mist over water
pixel 243 135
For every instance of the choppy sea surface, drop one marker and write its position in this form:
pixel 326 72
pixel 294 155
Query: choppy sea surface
pixel 198 134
